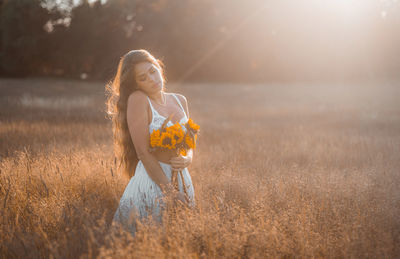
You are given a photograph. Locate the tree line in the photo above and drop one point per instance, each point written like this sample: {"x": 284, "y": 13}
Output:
{"x": 229, "y": 40}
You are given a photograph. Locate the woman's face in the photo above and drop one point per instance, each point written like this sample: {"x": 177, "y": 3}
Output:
{"x": 148, "y": 77}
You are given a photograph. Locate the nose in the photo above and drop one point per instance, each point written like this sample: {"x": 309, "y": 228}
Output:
{"x": 153, "y": 78}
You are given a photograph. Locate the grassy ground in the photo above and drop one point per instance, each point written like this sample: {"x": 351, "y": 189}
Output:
{"x": 280, "y": 171}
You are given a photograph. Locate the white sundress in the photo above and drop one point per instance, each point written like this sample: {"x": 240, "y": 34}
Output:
{"x": 142, "y": 195}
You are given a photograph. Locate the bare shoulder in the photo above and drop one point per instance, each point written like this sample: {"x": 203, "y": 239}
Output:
{"x": 138, "y": 108}
{"x": 181, "y": 98}
{"x": 137, "y": 99}
{"x": 184, "y": 103}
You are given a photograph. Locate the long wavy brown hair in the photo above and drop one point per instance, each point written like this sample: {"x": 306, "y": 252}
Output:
{"x": 118, "y": 90}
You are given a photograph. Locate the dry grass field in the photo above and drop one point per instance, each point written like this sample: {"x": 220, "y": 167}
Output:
{"x": 281, "y": 170}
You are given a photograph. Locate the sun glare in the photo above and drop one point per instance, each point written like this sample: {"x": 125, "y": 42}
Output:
{"x": 350, "y": 9}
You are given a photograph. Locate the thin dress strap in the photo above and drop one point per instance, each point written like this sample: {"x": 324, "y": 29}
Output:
{"x": 180, "y": 104}
{"x": 151, "y": 106}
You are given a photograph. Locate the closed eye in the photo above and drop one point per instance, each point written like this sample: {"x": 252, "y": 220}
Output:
{"x": 143, "y": 77}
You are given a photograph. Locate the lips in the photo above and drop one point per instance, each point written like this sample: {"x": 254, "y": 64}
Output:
{"x": 156, "y": 85}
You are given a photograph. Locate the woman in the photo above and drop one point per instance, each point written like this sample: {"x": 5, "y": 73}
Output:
{"x": 138, "y": 105}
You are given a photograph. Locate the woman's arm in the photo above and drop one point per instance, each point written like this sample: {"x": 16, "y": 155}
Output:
{"x": 137, "y": 118}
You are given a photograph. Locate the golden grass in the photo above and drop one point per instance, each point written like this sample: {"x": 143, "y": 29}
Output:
{"x": 280, "y": 171}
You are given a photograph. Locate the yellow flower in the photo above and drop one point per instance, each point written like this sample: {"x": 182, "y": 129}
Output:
{"x": 179, "y": 136}
{"x": 193, "y": 125}
{"x": 174, "y": 137}
{"x": 190, "y": 142}
{"x": 176, "y": 132}
{"x": 176, "y": 126}
{"x": 183, "y": 152}
{"x": 167, "y": 140}
{"x": 155, "y": 138}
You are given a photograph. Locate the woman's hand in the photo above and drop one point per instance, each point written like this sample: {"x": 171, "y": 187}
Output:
{"x": 180, "y": 162}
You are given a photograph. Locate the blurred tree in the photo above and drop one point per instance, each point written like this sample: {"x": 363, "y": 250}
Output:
{"x": 97, "y": 36}
{"x": 230, "y": 40}
{"x": 22, "y": 36}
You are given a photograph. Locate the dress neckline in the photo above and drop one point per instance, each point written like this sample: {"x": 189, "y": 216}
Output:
{"x": 184, "y": 117}
{"x": 154, "y": 109}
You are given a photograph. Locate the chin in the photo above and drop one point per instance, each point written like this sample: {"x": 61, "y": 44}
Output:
{"x": 159, "y": 89}
{"x": 154, "y": 91}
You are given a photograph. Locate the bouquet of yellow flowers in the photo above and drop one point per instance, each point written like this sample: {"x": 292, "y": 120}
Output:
{"x": 175, "y": 138}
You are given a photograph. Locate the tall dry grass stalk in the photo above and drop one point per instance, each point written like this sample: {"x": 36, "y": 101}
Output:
{"x": 280, "y": 170}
